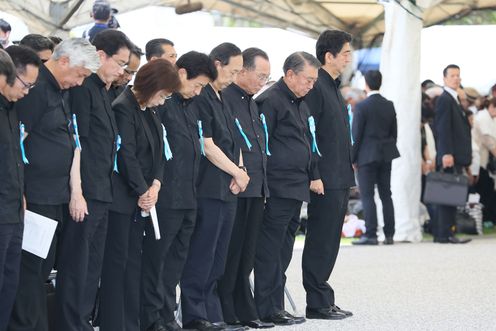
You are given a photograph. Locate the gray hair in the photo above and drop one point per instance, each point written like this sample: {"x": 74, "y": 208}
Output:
{"x": 355, "y": 94}
{"x": 296, "y": 62}
{"x": 7, "y": 67}
{"x": 80, "y": 53}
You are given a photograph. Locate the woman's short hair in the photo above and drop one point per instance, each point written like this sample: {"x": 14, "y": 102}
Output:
{"x": 155, "y": 76}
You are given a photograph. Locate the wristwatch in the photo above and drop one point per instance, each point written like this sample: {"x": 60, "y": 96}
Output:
{"x": 243, "y": 168}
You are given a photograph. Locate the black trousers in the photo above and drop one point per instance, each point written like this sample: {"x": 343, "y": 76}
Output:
{"x": 10, "y": 264}
{"x": 30, "y": 308}
{"x": 446, "y": 214}
{"x": 163, "y": 263}
{"x": 207, "y": 260}
{"x": 79, "y": 267}
{"x": 274, "y": 251}
{"x": 325, "y": 223}
{"x": 234, "y": 287}
{"x": 369, "y": 175}
{"x": 120, "y": 281}
{"x": 485, "y": 187}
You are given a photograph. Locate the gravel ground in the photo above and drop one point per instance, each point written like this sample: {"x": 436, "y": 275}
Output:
{"x": 421, "y": 286}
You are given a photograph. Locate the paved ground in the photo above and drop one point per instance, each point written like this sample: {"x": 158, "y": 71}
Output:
{"x": 421, "y": 286}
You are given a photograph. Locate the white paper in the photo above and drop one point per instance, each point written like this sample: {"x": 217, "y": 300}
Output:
{"x": 38, "y": 234}
{"x": 154, "y": 218}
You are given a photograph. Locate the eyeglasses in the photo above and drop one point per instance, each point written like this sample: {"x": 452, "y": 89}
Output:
{"x": 122, "y": 65}
{"x": 26, "y": 86}
{"x": 130, "y": 72}
{"x": 263, "y": 78}
{"x": 166, "y": 97}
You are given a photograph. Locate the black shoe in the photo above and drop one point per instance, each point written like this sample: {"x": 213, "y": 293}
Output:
{"x": 339, "y": 310}
{"x": 157, "y": 326}
{"x": 258, "y": 324}
{"x": 202, "y": 325}
{"x": 296, "y": 319}
{"x": 235, "y": 326}
{"x": 452, "y": 240}
{"x": 366, "y": 241}
{"x": 279, "y": 319}
{"x": 324, "y": 314}
{"x": 172, "y": 326}
{"x": 455, "y": 240}
{"x": 389, "y": 241}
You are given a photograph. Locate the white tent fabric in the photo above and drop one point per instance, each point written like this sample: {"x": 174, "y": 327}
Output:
{"x": 400, "y": 66}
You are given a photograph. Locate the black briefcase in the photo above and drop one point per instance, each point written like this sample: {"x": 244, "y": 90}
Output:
{"x": 446, "y": 189}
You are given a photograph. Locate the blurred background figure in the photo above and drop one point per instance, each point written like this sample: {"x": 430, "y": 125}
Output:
{"x": 5, "y": 30}
{"x": 101, "y": 14}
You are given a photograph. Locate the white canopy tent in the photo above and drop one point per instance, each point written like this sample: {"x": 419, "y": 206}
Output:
{"x": 362, "y": 18}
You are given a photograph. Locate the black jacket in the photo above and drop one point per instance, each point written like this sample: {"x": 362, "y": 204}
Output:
{"x": 245, "y": 109}
{"x": 374, "y": 131}
{"x": 139, "y": 161}
{"x": 452, "y": 131}
{"x": 333, "y": 133}
{"x": 98, "y": 133}
{"x": 288, "y": 167}
{"x": 46, "y": 113}
{"x": 218, "y": 124}
{"x": 11, "y": 166}
{"x": 180, "y": 172}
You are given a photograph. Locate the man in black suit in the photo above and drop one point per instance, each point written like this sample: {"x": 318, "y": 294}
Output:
{"x": 82, "y": 245}
{"x": 374, "y": 135}
{"x": 14, "y": 75}
{"x": 234, "y": 288}
{"x": 333, "y": 176}
{"x": 221, "y": 177}
{"x": 454, "y": 148}
{"x": 288, "y": 175}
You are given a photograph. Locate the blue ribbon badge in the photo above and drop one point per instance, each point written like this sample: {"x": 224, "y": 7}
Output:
{"x": 202, "y": 142}
{"x": 76, "y": 131}
{"x": 167, "y": 149}
{"x": 247, "y": 141}
{"x": 311, "y": 125}
{"x": 264, "y": 123}
{"x": 350, "y": 117}
{"x": 21, "y": 140}
{"x": 118, "y": 142}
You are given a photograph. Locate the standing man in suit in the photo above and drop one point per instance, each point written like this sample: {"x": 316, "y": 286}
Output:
{"x": 374, "y": 134}
{"x": 221, "y": 177}
{"x": 80, "y": 256}
{"x": 235, "y": 293}
{"x": 454, "y": 147}
{"x": 12, "y": 203}
{"x": 50, "y": 150}
{"x": 288, "y": 175}
{"x": 332, "y": 176}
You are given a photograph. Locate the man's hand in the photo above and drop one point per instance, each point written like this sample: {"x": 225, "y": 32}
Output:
{"x": 242, "y": 179}
{"x": 355, "y": 166}
{"x": 317, "y": 186}
{"x": 448, "y": 161}
{"x": 472, "y": 180}
{"x": 78, "y": 207}
{"x": 234, "y": 187}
